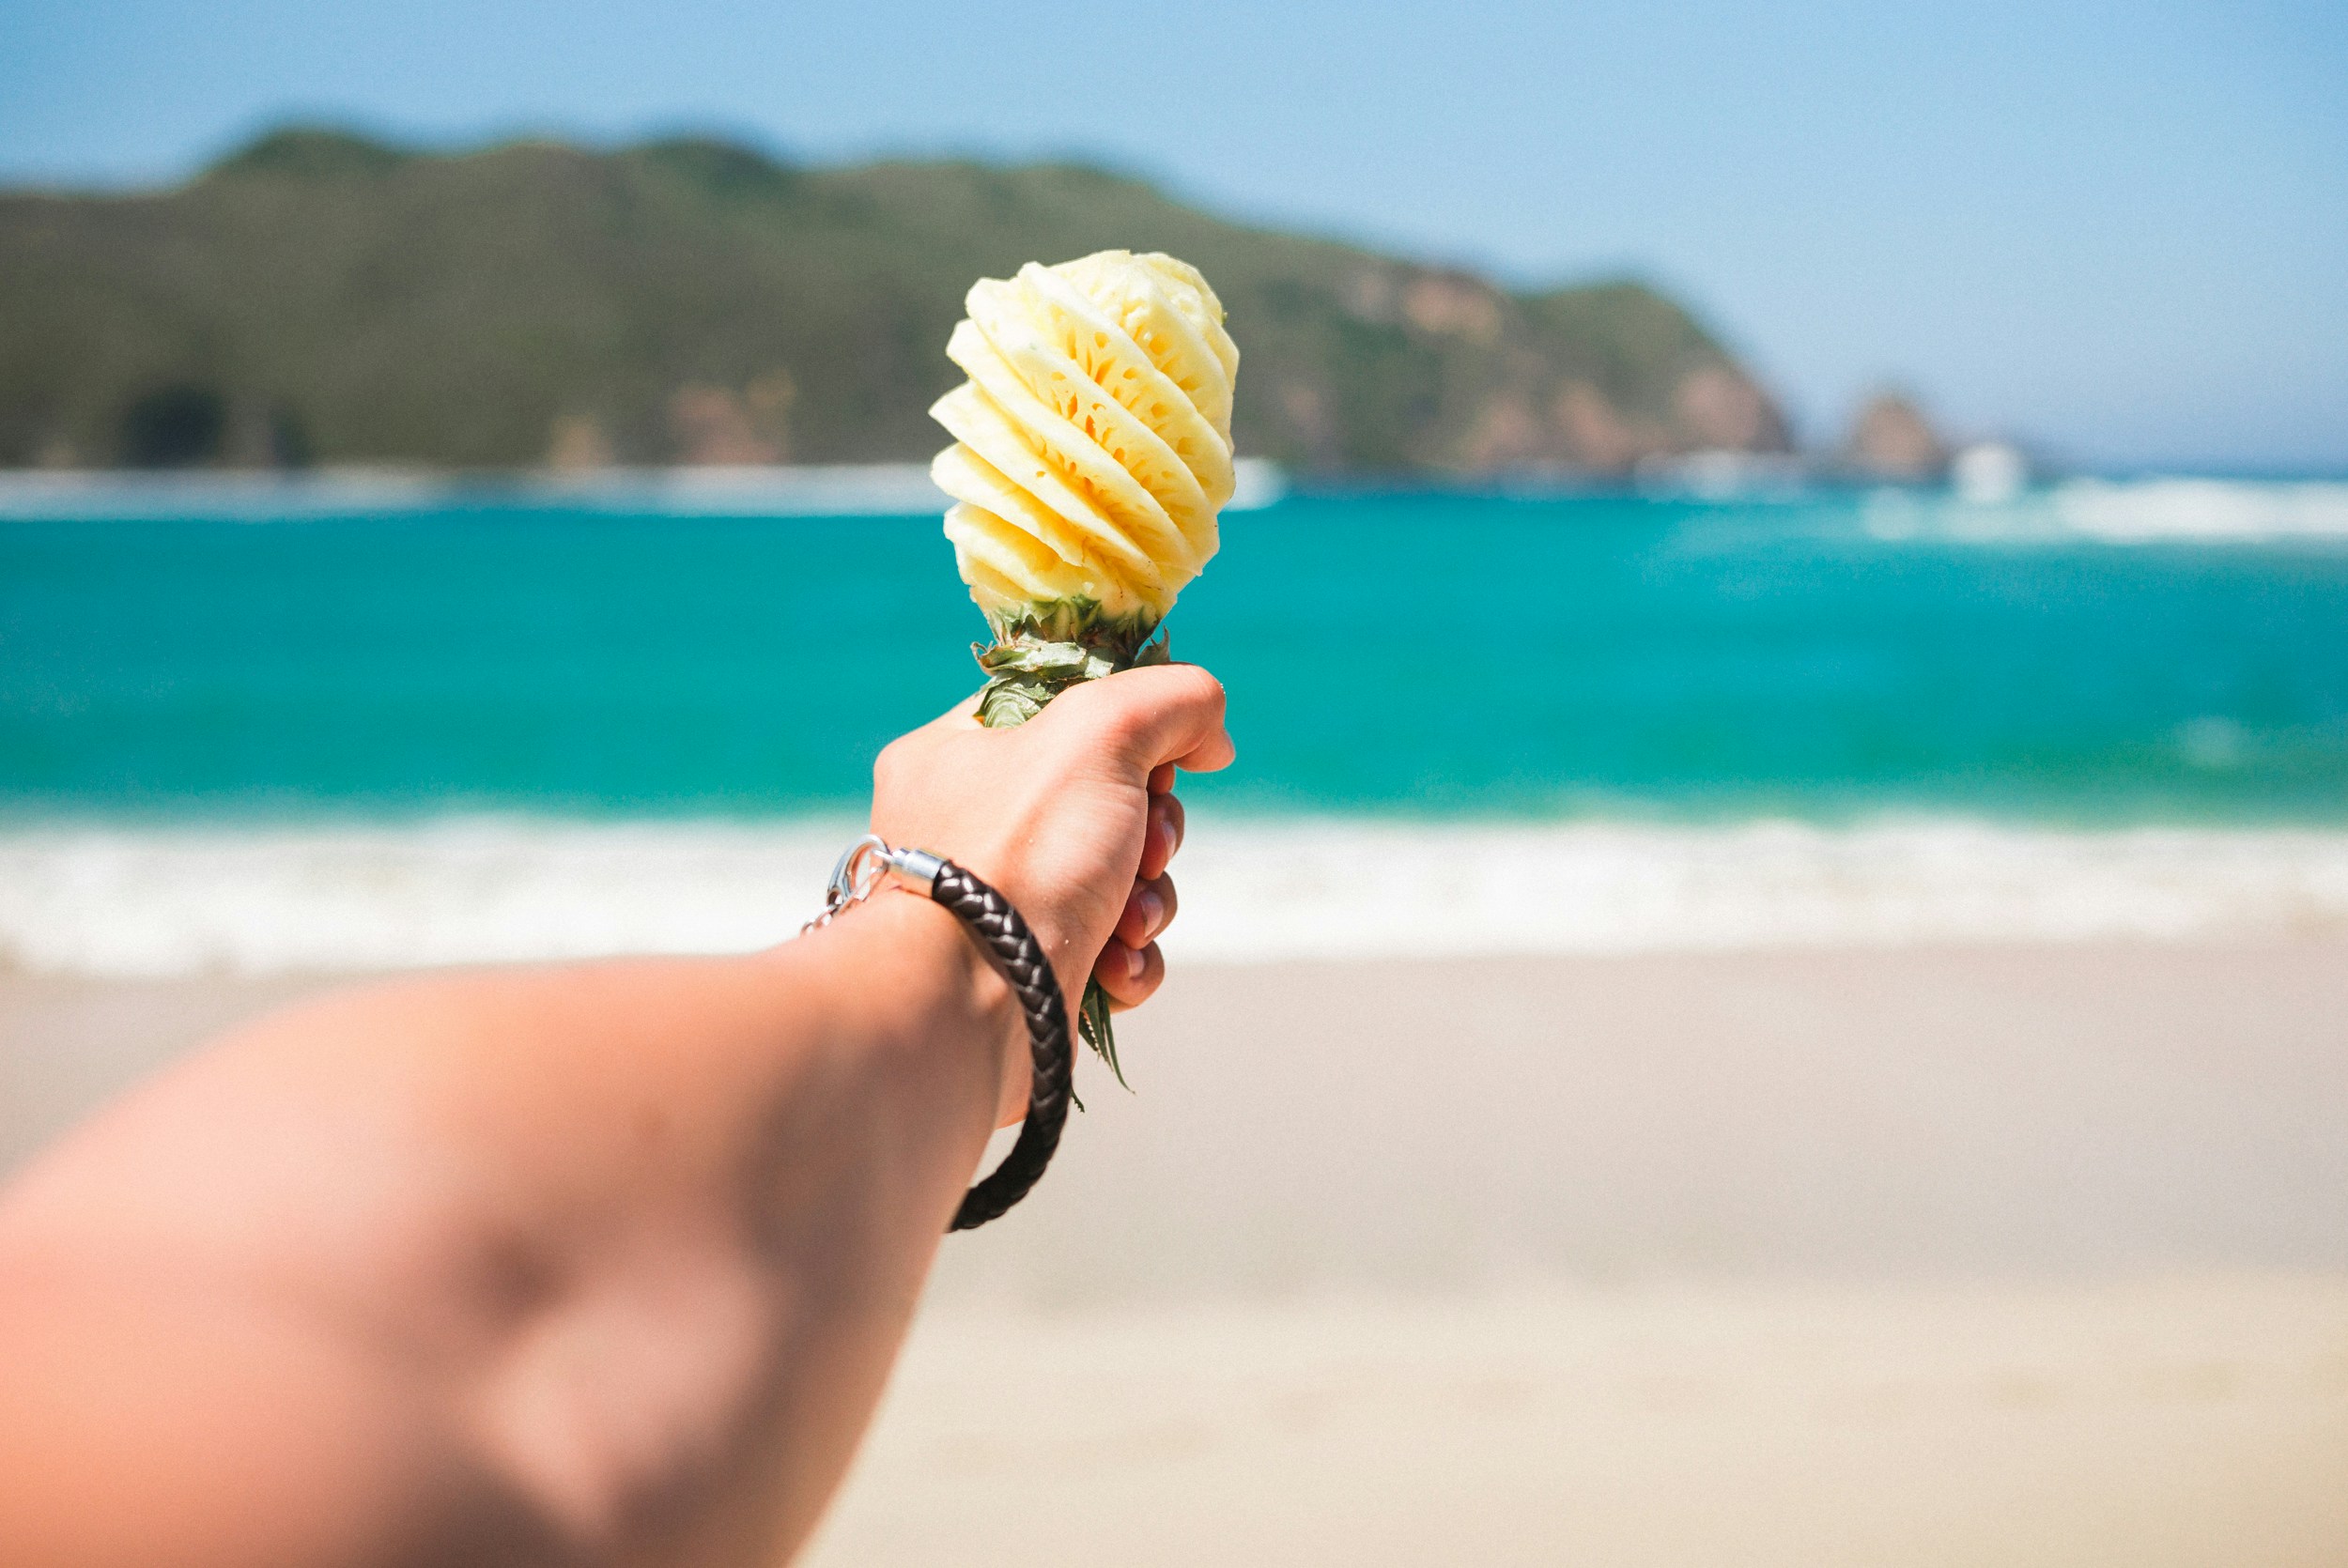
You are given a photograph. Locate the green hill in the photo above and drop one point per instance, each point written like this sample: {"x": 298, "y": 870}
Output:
{"x": 321, "y": 298}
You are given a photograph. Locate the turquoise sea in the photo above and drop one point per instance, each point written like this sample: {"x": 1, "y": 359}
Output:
{"x": 2098, "y": 654}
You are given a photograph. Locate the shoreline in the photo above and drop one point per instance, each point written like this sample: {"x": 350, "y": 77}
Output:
{"x": 902, "y": 489}
{"x": 189, "y": 898}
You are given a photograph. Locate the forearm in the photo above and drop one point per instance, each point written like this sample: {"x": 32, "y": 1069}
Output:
{"x": 644, "y": 1235}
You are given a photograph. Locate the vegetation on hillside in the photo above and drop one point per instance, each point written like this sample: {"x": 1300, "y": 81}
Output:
{"x": 321, "y": 298}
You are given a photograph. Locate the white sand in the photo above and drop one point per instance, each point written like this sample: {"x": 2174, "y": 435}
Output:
{"x": 1935, "y": 1256}
{"x": 2197, "y": 1421}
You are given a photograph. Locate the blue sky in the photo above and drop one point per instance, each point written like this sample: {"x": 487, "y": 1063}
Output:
{"x": 2118, "y": 230}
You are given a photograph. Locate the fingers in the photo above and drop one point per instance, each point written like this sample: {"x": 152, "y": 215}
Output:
{"x": 1149, "y": 910}
{"x": 1131, "y": 966}
{"x": 1129, "y": 975}
{"x": 1164, "y": 713}
{"x": 1162, "y": 834}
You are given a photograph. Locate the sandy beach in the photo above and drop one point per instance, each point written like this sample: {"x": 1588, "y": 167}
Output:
{"x": 1933, "y": 1255}
{"x": 2185, "y": 1420}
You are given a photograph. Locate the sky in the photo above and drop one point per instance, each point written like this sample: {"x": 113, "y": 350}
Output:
{"x": 2118, "y": 232}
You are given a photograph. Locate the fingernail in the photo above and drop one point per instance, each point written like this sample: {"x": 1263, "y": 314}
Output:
{"x": 1134, "y": 964}
{"x": 1153, "y": 905}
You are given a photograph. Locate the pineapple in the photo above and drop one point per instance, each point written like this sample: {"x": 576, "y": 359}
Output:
{"x": 1092, "y": 452}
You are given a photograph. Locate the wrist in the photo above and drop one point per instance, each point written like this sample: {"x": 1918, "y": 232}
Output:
{"x": 944, "y": 974}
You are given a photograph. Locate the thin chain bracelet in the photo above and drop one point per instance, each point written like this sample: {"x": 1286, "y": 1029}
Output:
{"x": 1012, "y": 947}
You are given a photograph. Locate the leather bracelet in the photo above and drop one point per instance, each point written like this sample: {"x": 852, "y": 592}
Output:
{"x": 1013, "y": 950}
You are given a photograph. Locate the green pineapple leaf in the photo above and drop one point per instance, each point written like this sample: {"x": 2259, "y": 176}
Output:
{"x": 1092, "y": 1022}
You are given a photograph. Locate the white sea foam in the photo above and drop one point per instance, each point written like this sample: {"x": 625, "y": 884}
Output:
{"x": 187, "y": 900}
{"x": 2137, "y": 512}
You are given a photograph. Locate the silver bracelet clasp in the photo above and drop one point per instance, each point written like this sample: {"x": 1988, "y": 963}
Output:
{"x": 861, "y": 867}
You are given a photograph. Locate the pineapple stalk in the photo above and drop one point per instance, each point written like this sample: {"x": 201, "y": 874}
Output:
{"x": 1035, "y": 656}
{"x": 1048, "y": 648}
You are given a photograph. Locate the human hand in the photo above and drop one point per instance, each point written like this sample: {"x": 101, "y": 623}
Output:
{"x": 1070, "y": 815}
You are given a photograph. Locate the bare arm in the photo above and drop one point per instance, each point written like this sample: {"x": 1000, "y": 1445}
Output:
{"x": 597, "y": 1263}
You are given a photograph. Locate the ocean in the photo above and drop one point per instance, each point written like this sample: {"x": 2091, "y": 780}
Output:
{"x": 247, "y": 727}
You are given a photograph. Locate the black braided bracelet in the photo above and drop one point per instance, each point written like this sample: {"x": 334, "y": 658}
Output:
{"x": 1014, "y": 951}
{"x": 1012, "y": 947}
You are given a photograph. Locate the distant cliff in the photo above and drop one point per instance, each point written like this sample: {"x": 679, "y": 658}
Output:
{"x": 1891, "y": 439}
{"x": 320, "y": 298}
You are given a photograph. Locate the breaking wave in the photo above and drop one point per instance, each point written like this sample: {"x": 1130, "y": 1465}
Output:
{"x": 110, "y": 900}
{"x": 2138, "y": 511}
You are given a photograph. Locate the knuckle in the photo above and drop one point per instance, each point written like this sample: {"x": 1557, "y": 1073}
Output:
{"x": 894, "y": 762}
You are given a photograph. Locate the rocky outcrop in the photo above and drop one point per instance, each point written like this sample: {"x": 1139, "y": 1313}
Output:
{"x": 1890, "y": 439}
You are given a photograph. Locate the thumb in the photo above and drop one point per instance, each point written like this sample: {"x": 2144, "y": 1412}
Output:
{"x": 1159, "y": 714}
